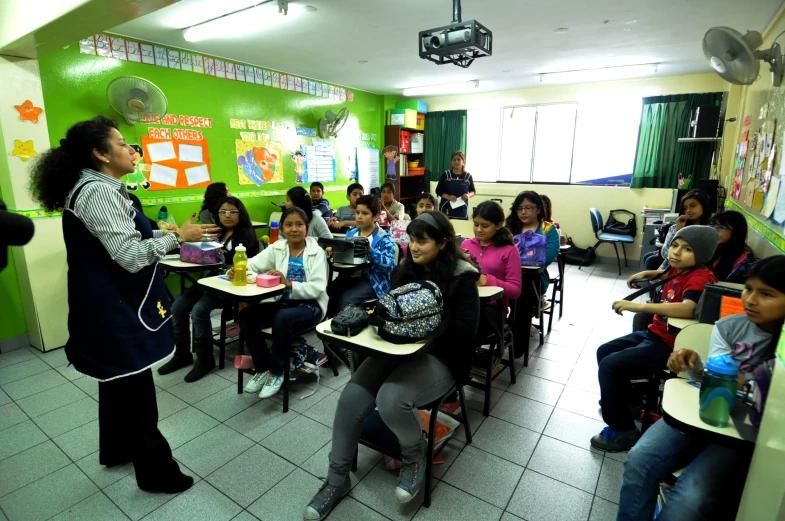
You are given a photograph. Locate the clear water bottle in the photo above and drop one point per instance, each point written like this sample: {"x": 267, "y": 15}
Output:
{"x": 718, "y": 390}
{"x": 240, "y": 266}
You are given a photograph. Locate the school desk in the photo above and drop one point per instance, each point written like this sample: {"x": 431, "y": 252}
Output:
{"x": 677, "y": 324}
{"x": 183, "y": 269}
{"x": 258, "y": 224}
{"x": 369, "y": 342}
{"x": 490, "y": 294}
{"x": 680, "y": 411}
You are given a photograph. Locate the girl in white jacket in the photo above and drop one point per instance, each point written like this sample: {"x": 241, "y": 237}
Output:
{"x": 302, "y": 265}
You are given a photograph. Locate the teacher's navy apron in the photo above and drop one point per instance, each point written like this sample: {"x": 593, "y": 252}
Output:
{"x": 458, "y": 187}
{"x": 119, "y": 323}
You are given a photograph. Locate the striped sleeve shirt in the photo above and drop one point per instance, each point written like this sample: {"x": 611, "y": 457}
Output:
{"x": 107, "y": 212}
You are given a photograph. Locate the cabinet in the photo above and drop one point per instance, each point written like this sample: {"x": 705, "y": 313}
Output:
{"x": 410, "y": 182}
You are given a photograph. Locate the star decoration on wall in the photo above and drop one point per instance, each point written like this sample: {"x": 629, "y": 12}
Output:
{"x": 28, "y": 112}
{"x": 24, "y": 150}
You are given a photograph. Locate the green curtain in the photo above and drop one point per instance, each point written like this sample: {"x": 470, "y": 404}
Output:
{"x": 660, "y": 158}
{"x": 445, "y": 132}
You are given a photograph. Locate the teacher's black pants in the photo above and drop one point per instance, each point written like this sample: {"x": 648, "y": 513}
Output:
{"x": 128, "y": 428}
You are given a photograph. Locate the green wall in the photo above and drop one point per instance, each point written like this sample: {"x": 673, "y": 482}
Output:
{"x": 74, "y": 87}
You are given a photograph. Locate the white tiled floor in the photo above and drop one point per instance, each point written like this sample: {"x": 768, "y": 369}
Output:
{"x": 529, "y": 460}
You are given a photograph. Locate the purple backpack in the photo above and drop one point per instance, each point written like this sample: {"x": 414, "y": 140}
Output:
{"x": 531, "y": 248}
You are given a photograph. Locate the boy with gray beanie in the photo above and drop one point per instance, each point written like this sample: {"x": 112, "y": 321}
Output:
{"x": 642, "y": 352}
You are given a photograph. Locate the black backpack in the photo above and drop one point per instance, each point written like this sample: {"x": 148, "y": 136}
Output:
{"x": 576, "y": 256}
{"x": 349, "y": 321}
{"x": 410, "y": 313}
{"x": 613, "y": 225}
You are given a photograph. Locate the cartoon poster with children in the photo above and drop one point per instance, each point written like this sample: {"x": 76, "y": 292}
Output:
{"x": 259, "y": 162}
{"x": 391, "y": 159}
{"x": 300, "y": 165}
{"x": 138, "y": 179}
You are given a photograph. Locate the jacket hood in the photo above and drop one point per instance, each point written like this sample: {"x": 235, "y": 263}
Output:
{"x": 465, "y": 268}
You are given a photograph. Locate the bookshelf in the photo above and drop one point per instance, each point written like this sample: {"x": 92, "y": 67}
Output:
{"x": 412, "y": 181}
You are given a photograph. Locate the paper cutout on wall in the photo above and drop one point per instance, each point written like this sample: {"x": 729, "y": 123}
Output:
{"x": 757, "y": 199}
{"x": 350, "y": 95}
{"x": 259, "y": 162}
{"x": 771, "y": 197}
{"x": 28, "y": 112}
{"x": 320, "y": 161}
{"x": 24, "y": 150}
{"x": 769, "y": 169}
{"x": 779, "y": 207}
{"x": 309, "y": 132}
{"x": 391, "y": 157}
{"x": 168, "y": 170}
{"x": 139, "y": 177}
{"x": 300, "y": 169}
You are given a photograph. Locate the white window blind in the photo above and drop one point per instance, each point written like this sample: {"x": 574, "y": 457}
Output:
{"x": 482, "y": 143}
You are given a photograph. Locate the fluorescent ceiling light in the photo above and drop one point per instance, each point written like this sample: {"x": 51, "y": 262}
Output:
{"x": 605, "y": 74}
{"x": 449, "y": 88}
{"x": 251, "y": 20}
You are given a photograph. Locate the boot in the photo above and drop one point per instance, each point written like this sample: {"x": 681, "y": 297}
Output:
{"x": 182, "y": 357}
{"x": 205, "y": 360}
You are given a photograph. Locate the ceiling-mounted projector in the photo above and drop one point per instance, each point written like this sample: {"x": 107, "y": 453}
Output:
{"x": 459, "y": 43}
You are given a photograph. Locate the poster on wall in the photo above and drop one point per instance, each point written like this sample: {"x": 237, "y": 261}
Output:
{"x": 259, "y": 162}
{"x": 368, "y": 167}
{"x": 320, "y": 161}
{"x": 300, "y": 165}
{"x": 174, "y": 163}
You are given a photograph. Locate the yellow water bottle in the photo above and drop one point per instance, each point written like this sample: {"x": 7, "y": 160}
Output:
{"x": 240, "y": 266}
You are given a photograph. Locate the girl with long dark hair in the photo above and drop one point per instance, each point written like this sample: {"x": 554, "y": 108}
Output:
{"x": 399, "y": 389}
{"x": 733, "y": 258}
{"x": 119, "y": 319}
{"x": 214, "y": 193}
{"x": 317, "y": 226}
{"x": 695, "y": 209}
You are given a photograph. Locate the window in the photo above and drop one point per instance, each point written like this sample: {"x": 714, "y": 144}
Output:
{"x": 592, "y": 142}
{"x": 482, "y": 144}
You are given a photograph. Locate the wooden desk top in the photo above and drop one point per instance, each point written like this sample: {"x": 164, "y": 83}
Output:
{"x": 680, "y": 403}
{"x": 176, "y": 265}
{"x": 247, "y": 292}
{"x": 490, "y": 293}
{"x": 258, "y": 224}
{"x": 680, "y": 323}
{"x": 370, "y": 342}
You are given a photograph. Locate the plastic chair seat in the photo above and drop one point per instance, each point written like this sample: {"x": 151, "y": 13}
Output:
{"x": 615, "y": 237}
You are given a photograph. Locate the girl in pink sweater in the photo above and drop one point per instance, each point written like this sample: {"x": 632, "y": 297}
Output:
{"x": 497, "y": 256}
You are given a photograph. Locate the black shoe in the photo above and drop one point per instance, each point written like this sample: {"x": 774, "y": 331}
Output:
{"x": 175, "y": 485}
{"x": 610, "y": 440}
{"x": 178, "y": 361}
{"x": 203, "y": 365}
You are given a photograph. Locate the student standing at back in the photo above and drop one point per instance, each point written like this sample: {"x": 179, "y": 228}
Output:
{"x": 624, "y": 358}
{"x": 345, "y": 216}
{"x": 454, "y": 185}
{"x": 398, "y": 389}
{"x": 214, "y": 193}
{"x": 499, "y": 260}
{"x": 197, "y": 305}
{"x": 348, "y": 289}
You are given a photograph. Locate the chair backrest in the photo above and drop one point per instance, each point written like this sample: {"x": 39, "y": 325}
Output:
{"x": 696, "y": 337}
{"x": 596, "y": 221}
{"x": 397, "y": 253}
{"x": 275, "y": 217}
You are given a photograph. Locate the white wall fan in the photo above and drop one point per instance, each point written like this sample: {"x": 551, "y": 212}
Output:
{"x": 332, "y": 123}
{"x": 137, "y": 99}
{"x": 735, "y": 56}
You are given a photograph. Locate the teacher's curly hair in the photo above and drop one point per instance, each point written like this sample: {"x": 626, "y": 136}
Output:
{"x": 56, "y": 172}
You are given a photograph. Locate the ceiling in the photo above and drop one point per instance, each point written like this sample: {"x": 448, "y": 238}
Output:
{"x": 328, "y": 44}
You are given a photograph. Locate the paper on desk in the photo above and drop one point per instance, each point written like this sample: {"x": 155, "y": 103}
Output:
{"x": 190, "y": 153}
{"x": 197, "y": 174}
{"x": 163, "y": 174}
{"x": 457, "y": 204}
{"x": 207, "y": 246}
{"x": 161, "y": 151}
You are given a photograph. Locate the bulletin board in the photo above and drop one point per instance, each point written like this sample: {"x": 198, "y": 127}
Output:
{"x": 175, "y": 163}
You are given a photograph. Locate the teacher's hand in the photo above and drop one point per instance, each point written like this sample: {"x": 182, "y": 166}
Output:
{"x": 465, "y": 197}
{"x": 194, "y": 232}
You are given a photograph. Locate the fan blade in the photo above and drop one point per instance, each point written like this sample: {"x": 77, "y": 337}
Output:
{"x": 330, "y": 116}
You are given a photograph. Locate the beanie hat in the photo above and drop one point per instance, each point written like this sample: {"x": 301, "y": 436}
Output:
{"x": 702, "y": 239}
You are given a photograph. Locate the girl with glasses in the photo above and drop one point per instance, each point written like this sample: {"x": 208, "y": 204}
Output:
{"x": 733, "y": 258}
{"x": 236, "y": 229}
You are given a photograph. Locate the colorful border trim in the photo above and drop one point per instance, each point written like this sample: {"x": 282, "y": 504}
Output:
{"x": 38, "y": 213}
{"x": 774, "y": 237}
{"x": 781, "y": 348}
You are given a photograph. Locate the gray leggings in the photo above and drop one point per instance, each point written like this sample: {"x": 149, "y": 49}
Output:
{"x": 397, "y": 390}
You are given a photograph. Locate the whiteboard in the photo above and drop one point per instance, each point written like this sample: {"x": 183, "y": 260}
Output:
{"x": 368, "y": 168}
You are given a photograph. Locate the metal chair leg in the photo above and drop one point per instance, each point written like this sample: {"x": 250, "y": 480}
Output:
{"x": 624, "y": 250}
{"x": 222, "y": 343}
{"x": 486, "y": 409}
{"x": 286, "y": 387}
{"x": 618, "y": 259}
{"x": 426, "y": 502}
{"x": 465, "y": 416}
{"x": 241, "y": 349}
{"x": 511, "y": 357}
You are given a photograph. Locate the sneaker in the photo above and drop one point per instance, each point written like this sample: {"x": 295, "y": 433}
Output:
{"x": 271, "y": 386}
{"x": 610, "y": 440}
{"x": 410, "y": 479}
{"x": 257, "y": 382}
{"x": 324, "y": 501}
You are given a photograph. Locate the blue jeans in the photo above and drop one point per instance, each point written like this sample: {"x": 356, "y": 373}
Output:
{"x": 286, "y": 318}
{"x": 198, "y": 305}
{"x": 652, "y": 260}
{"x": 709, "y": 488}
{"x": 620, "y": 360}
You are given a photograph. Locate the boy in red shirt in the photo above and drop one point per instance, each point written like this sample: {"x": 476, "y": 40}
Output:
{"x": 645, "y": 351}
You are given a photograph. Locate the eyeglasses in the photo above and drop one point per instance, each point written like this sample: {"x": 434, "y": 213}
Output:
{"x": 527, "y": 209}
{"x": 228, "y": 212}
{"x": 720, "y": 227}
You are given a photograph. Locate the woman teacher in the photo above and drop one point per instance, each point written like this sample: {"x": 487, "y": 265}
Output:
{"x": 455, "y": 185}
{"x": 119, "y": 318}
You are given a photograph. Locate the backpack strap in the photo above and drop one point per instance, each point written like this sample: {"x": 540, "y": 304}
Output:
{"x": 650, "y": 287}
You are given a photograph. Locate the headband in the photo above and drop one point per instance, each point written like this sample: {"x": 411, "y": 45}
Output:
{"x": 430, "y": 220}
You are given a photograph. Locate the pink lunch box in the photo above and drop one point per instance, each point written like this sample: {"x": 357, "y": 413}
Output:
{"x": 267, "y": 281}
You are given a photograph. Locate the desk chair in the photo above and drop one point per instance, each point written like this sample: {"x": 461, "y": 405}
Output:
{"x": 377, "y": 436}
{"x": 609, "y": 238}
{"x": 505, "y": 342}
{"x": 558, "y": 287}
